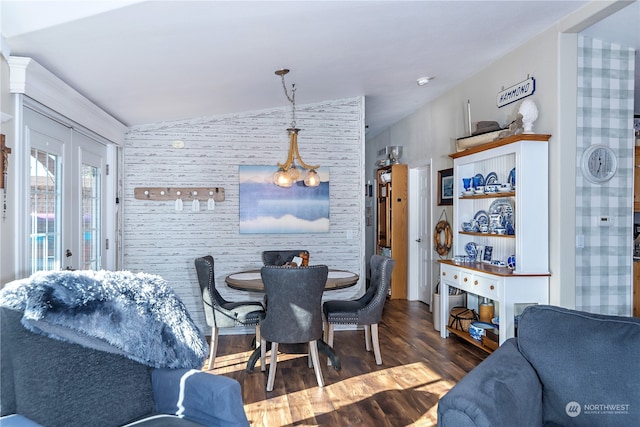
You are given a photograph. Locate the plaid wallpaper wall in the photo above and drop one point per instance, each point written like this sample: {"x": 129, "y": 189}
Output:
{"x": 605, "y": 116}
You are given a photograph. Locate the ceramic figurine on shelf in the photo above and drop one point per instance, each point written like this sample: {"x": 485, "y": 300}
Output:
{"x": 529, "y": 113}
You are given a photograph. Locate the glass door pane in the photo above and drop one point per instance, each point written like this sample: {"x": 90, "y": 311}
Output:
{"x": 45, "y": 193}
{"x": 91, "y": 221}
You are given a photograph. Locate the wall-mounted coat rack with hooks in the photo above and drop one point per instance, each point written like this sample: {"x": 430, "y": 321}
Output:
{"x": 184, "y": 193}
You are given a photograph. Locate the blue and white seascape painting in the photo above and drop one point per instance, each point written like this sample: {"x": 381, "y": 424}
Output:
{"x": 267, "y": 208}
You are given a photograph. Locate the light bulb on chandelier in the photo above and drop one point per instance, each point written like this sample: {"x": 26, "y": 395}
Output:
{"x": 293, "y": 172}
{"x": 288, "y": 173}
{"x": 312, "y": 179}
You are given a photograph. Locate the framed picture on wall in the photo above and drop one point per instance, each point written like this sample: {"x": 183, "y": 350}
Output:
{"x": 266, "y": 208}
{"x": 445, "y": 187}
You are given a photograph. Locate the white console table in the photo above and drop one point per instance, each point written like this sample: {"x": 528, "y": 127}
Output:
{"x": 504, "y": 288}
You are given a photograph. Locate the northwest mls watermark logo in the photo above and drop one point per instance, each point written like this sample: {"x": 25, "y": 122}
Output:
{"x": 573, "y": 409}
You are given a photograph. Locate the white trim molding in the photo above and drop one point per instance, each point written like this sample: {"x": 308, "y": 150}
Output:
{"x": 28, "y": 77}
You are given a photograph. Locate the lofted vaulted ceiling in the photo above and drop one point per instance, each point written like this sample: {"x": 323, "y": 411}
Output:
{"x": 153, "y": 61}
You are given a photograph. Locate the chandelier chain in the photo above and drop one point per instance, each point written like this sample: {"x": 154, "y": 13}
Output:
{"x": 292, "y": 100}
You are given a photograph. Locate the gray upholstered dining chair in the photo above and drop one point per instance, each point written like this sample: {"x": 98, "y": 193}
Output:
{"x": 281, "y": 257}
{"x": 221, "y": 313}
{"x": 367, "y": 310}
{"x": 294, "y": 312}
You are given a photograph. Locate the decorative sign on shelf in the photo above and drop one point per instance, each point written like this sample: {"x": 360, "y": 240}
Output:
{"x": 516, "y": 92}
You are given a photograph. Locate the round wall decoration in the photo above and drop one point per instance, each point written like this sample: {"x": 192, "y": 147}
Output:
{"x": 442, "y": 238}
{"x": 599, "y": 163}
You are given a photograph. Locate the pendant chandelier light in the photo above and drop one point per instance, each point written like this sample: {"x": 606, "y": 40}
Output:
{"x": 288, "y": 172}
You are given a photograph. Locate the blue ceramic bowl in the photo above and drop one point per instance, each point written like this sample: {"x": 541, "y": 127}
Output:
{"x": 467, "y": 226}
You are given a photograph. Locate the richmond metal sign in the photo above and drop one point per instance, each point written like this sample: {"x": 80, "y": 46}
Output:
{"x": 516, "y": 92}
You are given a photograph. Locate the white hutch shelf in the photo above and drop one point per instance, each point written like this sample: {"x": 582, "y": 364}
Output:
{"x": 528, "y": 283}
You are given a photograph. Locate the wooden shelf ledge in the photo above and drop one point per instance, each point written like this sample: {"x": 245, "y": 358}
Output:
{"x": 466, "y": 337}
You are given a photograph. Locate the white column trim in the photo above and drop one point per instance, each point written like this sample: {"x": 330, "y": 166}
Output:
{"x": 28, "y": 77}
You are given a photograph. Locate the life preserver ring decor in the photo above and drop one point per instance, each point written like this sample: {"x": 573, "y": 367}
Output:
{"x": 443, "y": 238}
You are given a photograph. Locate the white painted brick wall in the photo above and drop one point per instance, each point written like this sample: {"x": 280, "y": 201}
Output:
{"x": 159, "y": 240}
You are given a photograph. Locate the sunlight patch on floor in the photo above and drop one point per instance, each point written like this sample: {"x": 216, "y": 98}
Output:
{"x": 270, "y": 412}
{"x": 229, "y": 363}
{"x": 415, "y": 378}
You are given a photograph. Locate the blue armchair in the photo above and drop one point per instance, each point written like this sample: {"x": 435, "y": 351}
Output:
{"x": 565, "y": 368}
{"x": 48, "y": 379}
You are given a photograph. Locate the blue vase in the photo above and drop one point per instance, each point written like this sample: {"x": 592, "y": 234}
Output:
{"x": 466, "y": 183}
{"x": 510, "y": 230}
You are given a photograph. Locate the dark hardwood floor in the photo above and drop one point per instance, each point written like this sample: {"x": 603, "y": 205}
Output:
{"x": 418, "y": 368}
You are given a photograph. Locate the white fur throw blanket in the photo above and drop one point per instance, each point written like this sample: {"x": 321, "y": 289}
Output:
{"x": 134, "y": 314}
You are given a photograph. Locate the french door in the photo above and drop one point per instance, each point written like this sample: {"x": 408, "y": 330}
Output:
{"x": 66, "y": 196}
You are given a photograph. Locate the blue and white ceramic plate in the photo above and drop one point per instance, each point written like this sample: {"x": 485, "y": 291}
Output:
{"x": 501, "y": 206}
{"x": 491, "y": 178}
{"x": 482, "y": 218}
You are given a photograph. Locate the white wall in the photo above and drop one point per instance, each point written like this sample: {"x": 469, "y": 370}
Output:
{"x": 431, "y": 131}
{"x": 159, "y": 240}
{"x": 551, "y": 59}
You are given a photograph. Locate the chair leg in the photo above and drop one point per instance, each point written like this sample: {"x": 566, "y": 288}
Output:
{"x": 272, "y": 367}
{"x": 255, "y": 342}
{"x": 313, "y": 349}
{"x": 376, "y": 343}
{"x": 213, "y": 347}
{"x": 329, "y": 331}
{"x": 263, "y": 354}
{"x": 367, "y": 337}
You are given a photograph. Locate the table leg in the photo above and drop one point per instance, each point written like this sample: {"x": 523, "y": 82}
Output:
{"x": 251, "y": 363}
{"x": 326, "y": 349}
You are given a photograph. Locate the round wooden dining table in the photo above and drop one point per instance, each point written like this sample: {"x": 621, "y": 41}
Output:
{"x": 251, "y": 281}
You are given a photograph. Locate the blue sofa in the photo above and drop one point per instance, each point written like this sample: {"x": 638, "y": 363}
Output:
{"x": 50, "y": 378}
{"x": 565, "y": 368}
